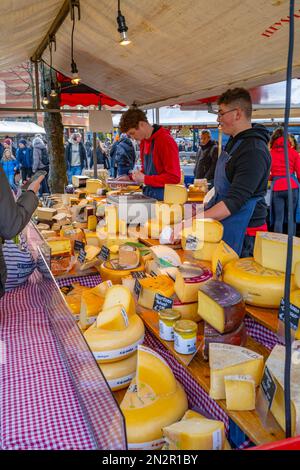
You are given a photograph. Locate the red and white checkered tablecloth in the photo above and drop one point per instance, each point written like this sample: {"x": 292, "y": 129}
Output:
{"x": 261, "y": 334}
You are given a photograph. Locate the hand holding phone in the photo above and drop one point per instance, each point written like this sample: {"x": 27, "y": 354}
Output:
{"x": 34, "y": 182}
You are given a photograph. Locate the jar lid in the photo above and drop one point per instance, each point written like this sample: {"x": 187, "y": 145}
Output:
{"x": 185, "y": 326}
{"x": 169, "y": 314}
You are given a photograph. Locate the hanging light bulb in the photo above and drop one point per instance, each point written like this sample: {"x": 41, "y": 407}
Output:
{"x": 122, "y": 28}
{"x": 53, "y": 92}
{"x": 45, "y": 99}
{"x": 75, "y": 77}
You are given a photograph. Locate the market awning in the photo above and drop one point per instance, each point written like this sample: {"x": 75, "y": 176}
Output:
{"x": 181, "y": 50}
{"x": 20, "y": 127}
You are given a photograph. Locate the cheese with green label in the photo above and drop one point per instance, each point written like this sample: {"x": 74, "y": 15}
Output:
{"x": 270, "y": 250}
{"x": 240, "y": 392}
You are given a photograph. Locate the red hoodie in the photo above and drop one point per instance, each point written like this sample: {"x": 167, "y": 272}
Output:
{"x": 165, "y": 159}
{"x": 278, "y": 165}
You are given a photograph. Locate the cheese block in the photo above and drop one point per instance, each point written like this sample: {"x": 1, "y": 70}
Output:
{"x": 120, "y": 374}
{"x": 155, "y": 269}
{"x": 175, "y": 194}
{"x": 120, "y": 295}
{"x": 151, "y": 286}
{"x": 112, "y": 219}
{"x": 226, "y": 359}
{"x": 60, "y": 218}
{"x": 259, "y": 286}
{"x": 154, "y": 372}
{"x": 222, "y": 255}
{"x": 79, "y": 181}
{"x": 188, "y": 280}
{"x": 92, "y": 303}
{"x": 188, "y": 310}
{"x": 195, "y": 434}
{"x": 270, "y": 250}
{"x": 92, "y": 222}
{"x": 92, "y": 238}
{"x": 43, "y": 227}
{"x": 145, "y": 418}
{"x": 59, "y": 246}
{"x": 73, "y": 295}
{"x": 91, "y": 252}
{"x": 276, "y": 364}
{"x": 237, "y": 337}
{"x": 165, "y": 256}
{"x": 206, "y": 252}
{"x": 113, "y": 318}
{"x": 129, "y": 281}
{"x": 92, "y": 186}
{"x": 240, "y": 392}
{"x": 108, "y": 271}
{"x": 129, "y": 256}
{"x": 45, "y": 213}
{"x": 113, "y": 345}
{"x": 72, "y": 233}
{"x": 208, "y": 230}
{"x": 48, "y": 233}
{"x": 220, "y": 305}
{"x": 168, "y": 214}
{"x": 295, "y": 300}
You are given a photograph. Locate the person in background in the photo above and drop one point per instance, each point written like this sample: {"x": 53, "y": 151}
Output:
{"x": 102, "y": 158}
{"x": 9, "y": 163}
{"x": 25, "y": 159}
{"x": 75, "y": 156}
{"x": 294, "y": 143}
{"x": 89, "y": 151}
{"x": 40, "y": 161}
{"x": 125, "y": 156}
{"x": 112, "y": 156}
{"x": 279, "y": 185}
{"x": 206, "y": 158}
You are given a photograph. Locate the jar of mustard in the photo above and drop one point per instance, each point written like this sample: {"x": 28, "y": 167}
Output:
{"x": 167, "y": 319}
{"x": 185, "y": 336}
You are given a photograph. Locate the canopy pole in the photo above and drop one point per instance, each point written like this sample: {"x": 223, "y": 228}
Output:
{"x": 156, "y": 115}
{"x": 95, "y": 154}
{"x": 37, "y": 85}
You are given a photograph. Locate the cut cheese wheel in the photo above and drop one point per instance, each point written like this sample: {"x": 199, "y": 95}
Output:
{"x": 276, "y": 365}
{"x": 175, "y": 194}
{"x": 153, "y": 371}
{"x": 151, "y": 286}
{"x": 195, "y": 434}
{"x": 115, "y": 275}
{"x": 92, "y": 186}
{"x": 120, "y": 295}
{"x": 168, "y": 214}
{"x": 236, "y": 337}
{"x": 226, "y": 359}
{"x": 120, "y": 374}
{"x": 240, "y": 392}
{"x": 45, "y": 213}
{"x": 154, "y": 268}
{"x": 145, "y": 418}
{"x": 220, "y": 305}
{"x": 165, "y": 256}
{"x": 208, "y": 230}
{"x": 188, "y": 280}
{"x": 190, "y": 241}
{"x": 72, "y": 295}
{"x": 59, "y": 246}
{"x": 188, "y": 311}
{"x": 113, "y": 318}
{"x": 259, "y": 286}
{"x": 91, "y": 252}
{"x": 129, "y": 256}
{"x": 113, "y": 345}
{"x": 206, "y": 252}
{"x": 270, "y": 250}
{"x": 222, "y": 255}
{"x": 295, "y": 300}
{"x": 91, "y": 304}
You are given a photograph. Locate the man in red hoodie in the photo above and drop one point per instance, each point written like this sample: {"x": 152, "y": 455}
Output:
{"x": 158, "y": 151}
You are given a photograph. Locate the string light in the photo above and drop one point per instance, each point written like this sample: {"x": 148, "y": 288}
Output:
{"x": 122, "y": 28}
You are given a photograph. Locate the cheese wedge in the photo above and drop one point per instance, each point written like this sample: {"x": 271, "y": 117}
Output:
{"x": 92, "y": 186}
{"x": 91, "y": 304}
{"x": 92, "y": 239}
{"x": 165, "y": 256}
{"x": 175, "y": 194}
{"x": 222, "y": 255}
{"x": 188, "y": 280}
{"x": 191, "y": 414}
{"x": 120, "y": 295}
{"x": 91, "y": 252}
{"x": 113, "y": 318}
{"x": 270, "y": 250}
{"x": 129, "y": 256}
{"x": 240, "y": 392}
{"x": 151, "y": 286}
{"x": 220, "y": 305}
{"x": 112, "y": 219}
{"x": 153, "y": 267}
{"x": 237, "y": 337}
{"x": 59, "y": 246}
{"x": 225, "y": 359}
{"x": 208, "y": 230}
{"x": 153, "y": 371}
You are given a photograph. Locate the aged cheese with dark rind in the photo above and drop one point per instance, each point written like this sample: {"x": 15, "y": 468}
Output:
{"x": 237, "y": 337}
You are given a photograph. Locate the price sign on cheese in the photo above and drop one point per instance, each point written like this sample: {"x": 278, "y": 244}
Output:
{"x": 268, "y": 386}
{"x": 81, "y": 256}
{"x": 104, "y": 253}
{"x": 161, "y": 302}
{"x": 138, "y": 274}
{"x": 219, "y": 269}
{"x": 192, "y": 243}
{"x": 294, "y": 314}
{"x": 137, "y": 288}
{"x": 78, "y": 245}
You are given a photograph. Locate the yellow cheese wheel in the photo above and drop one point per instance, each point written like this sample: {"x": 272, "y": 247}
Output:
{"x": 120, "y": 374}
{"x": 295, "y": 300}
{"x": 188, "y": 311}
{"x": 108, "y": 272}
{"x": 259, "y": 286}
{"x": 111, "y": 346}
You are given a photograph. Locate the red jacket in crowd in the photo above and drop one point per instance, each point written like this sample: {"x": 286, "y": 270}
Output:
{"x": 278, "y": 165}
{"x": 165, "y": 158}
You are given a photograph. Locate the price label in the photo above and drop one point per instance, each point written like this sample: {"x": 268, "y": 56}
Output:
{"x": 81, "y": 256}
{"x": 138, "y": 274}
{"x": 161, "y": 302}
{"x": 78, "y": 245}
{"x": 191, "y": 243}
{"x": 294, "y": 314}
{"x": 219, "y": 269}
{"x": 137, "y": 288}
{"x": 104, "y": 253}
{"x": 268, "y": 386}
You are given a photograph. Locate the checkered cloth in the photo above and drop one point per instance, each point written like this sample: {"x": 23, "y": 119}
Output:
{"x": 87, "y": 281}
{"x": 261, "y": 334}
{"x": 52, "y": 394}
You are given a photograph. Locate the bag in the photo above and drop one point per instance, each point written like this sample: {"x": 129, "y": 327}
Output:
{"x": 19, "y": 261}
{"x": 45, "y": 157}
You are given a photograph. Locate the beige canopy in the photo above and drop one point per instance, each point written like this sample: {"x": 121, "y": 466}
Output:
{"x": 181, "y": 50}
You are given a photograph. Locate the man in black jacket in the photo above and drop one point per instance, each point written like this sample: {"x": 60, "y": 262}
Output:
{"x": 124, "y": 156}
{"x": 206, "y": 158}
{"x": 75, "y": 156}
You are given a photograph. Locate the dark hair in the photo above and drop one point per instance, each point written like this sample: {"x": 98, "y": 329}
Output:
{"x": 131, "y": 118}
{"x": 276, "y": 134}
{"x": 240, "y": 97}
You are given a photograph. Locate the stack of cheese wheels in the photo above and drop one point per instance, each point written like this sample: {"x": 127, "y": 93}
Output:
{"x": 195, "y": 432}
{"x": 154, "y": 400}
{"x": 276, "y": 364}
{"x": 223, "y": 309}
{"x": 115, "y": 336}
{"x": 202, "y": 238}
{"x": 92, "y": 301}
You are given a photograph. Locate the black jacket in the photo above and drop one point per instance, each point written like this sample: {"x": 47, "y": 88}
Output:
{"x": 206, "y": 161}
{"x": 125, "y": 154}
{"x": 82, "y": 153}
{"x": 248, "y": 171}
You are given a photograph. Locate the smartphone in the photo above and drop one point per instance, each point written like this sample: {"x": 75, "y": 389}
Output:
{"x": 33, "y": 178}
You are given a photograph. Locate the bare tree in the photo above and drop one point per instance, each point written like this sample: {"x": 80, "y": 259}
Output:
{"x": 25, "y": 85}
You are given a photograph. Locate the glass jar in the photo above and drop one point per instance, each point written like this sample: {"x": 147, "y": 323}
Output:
{"x": 185, "y": 336}
{"x": 167, "y": 319}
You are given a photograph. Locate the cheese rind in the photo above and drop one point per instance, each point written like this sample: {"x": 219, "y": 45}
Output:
{"x": 120, "y": 374}
{"x": 113, "y": 318}
{"x": 188, "y": 280}
{"x": 270, "y": 250}
{"x": 175, "y": 194}
{"x": 108, "y": 272}
{"x": 188, "y": 311}
{"x": 208, "y": 230}
{"x": 240, "y": 392}
{"x": 236, "y": 337}
{"x": 223, "y": 254}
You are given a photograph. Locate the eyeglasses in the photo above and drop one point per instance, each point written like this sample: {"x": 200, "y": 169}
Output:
{"x": 222, "y": 113}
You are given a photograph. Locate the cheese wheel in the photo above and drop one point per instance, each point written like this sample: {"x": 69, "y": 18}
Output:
{"x": 222, "y": 255}
{"x": 259, "y": 286}
{"x": 151, "y": 286}
{"x": 208, "y": 230}
{"x": 175, "y": 194}
{"x": 188, "y": 280}
{"x": 112, "y": 345}
{"x": 108, "y": 272}
{"x": 270, "y": 250}
{"x": 188, "y": 310}
{"x": 206, "y": 252}
{"x": 120, "y": 374}
{"x": 236, "y": 337}
{"x": 91, "y": 304}
{"x": 119, "y": 295}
